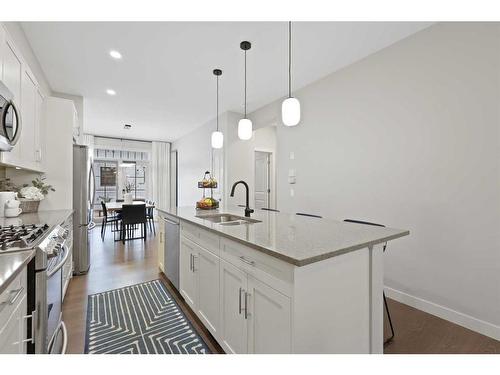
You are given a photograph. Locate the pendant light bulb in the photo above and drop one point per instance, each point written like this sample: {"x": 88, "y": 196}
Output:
{"x": 245, "y": 125}
{"x": 217, "y": 136}
{"x": 217, "y": 139}
{"x": 290, "y": 109}
{"x": 245, "y": 129}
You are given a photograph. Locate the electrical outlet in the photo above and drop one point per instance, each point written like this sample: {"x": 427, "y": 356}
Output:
{"x": 292, "y": 192}
{"x": 292, "y": 155}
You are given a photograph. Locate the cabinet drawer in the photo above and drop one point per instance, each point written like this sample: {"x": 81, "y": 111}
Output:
{"x": 206, "y": 239}
{"x": 10, "y": 297}
{"x": 272, "y": 271}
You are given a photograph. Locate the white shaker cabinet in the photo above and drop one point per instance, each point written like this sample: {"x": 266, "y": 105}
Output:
{"x": 12, "y": 78}
{"x": 187, "y": 286}
{"x": 233, "y": 332}
{"x": 199, "y": 283}
{"x": 13, "y": 306}
{"x": 207, "y": 271}
{"x": 269, "y": 319}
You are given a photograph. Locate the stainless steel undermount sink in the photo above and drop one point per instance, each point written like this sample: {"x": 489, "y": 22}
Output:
{"x": 227, "y": 219}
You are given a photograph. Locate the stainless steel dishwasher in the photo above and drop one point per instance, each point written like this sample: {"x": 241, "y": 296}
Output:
{"x": 172, "y": 249}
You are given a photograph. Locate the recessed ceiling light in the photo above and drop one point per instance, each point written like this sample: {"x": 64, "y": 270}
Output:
{"x": 115, "y": 54}
{"x": 111, "y": 92}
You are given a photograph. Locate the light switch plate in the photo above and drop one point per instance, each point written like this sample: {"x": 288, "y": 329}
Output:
{"x": 292, "y": 155}
{"x": 292, "y": 192}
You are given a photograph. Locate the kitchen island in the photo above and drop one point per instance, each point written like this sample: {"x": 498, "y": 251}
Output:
{"x": 281, "y": 283}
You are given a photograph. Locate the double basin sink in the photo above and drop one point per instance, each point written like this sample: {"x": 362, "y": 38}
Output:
{"x": 227, "y": 219}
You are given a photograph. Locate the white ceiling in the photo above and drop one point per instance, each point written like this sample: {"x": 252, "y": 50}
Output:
{"x": 164, "y": 83}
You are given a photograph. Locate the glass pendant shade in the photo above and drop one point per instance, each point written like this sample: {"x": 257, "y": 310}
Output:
{"x": 245, "y": 129}
{"x": 217, "y": 139}
{"x": 290, "y": 111}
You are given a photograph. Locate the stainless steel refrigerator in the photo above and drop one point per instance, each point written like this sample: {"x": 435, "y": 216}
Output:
{"x": 83, "y": 202}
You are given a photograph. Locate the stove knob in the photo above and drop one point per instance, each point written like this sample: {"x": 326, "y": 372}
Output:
{"x": 45, "y": 226}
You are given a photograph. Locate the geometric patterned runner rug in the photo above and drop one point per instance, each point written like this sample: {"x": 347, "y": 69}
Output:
{"x": 139, "y": 319}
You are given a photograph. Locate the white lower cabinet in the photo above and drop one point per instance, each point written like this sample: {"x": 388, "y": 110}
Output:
{"x": 187, "y": 275}
{"x": 244, "y": 314}
{"x": 233, "y": 333}
{"x": 13, "y": 333}
{"x": 206, "y": 268}
{"x": 269, "y": 319}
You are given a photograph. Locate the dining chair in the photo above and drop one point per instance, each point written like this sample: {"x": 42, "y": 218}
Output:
{"x": 150, "y": 216}
{"x": 309, "y": 215}
{"x": 385, "y": 299}
{"x": 133, "y": 215}
{"x": 108, "y": 219}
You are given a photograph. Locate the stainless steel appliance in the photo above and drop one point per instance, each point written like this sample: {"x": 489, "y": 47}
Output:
{"x": 47, "y": 330}
{"x": 83, "y": 201}
{"x": 10, "y": 120}
{"x": 172, "y": 249}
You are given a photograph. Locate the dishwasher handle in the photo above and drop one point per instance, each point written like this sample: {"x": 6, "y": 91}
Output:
{"x": 169, "y": 221}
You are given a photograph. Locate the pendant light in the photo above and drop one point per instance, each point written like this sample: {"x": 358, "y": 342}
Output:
{"x": 290, "y": 109}
{"x": 245, "y": 125}
{"x": 217, "y": 136}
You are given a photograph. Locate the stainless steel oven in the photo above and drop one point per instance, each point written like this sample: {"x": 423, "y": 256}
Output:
{"x": 56, "y": 330}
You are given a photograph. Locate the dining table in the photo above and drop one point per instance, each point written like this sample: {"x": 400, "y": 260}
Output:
{"x": 118, "y": 206}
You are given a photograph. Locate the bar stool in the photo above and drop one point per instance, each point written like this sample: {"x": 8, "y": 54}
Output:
{"x": 269, "y": 209}
{"x": 385, "y": 299}
{"x": 309, "y": 215}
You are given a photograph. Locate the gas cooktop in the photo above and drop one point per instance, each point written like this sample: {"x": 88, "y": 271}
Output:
{"x": 20, "y": 237}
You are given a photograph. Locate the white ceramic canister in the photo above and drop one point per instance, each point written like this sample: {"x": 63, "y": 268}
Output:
{"x": 4, "y": 197}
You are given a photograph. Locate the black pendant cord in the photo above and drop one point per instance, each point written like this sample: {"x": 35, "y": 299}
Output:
{"x": 245, "y": 84}
{"x": 289, "y": 59}
{"x": 217, "y": 105}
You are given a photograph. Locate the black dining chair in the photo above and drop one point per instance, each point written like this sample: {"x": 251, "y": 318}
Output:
{"x": 308, "y": 215}
{"x": 385, "y": 299}
{"x": 132, "y": 216}
{"x": 269, "y": 209}
{"x": 108, "y": 219}
{"x": 150, "y": 216}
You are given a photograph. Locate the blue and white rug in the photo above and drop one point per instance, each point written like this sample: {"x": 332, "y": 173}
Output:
{"x": 139, "y": 319}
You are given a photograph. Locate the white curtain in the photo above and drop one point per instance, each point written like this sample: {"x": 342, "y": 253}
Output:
{"x": 160, "y": 165}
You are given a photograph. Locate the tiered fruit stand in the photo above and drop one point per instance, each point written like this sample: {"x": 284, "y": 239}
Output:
{"x": 207, "y": 183}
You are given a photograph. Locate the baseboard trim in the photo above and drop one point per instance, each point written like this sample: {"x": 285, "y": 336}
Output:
{"x": 467, "y": 321}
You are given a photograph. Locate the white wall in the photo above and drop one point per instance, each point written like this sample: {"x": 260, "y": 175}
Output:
{"x": 410, "y": 137}
{"x": 194, "y": 156}
{"x": 240, "y": 159}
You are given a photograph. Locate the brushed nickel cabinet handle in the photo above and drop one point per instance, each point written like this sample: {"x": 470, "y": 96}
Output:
{"x": 246, "y": 305}
{"x": 12, "y": 300}
{"x": 245, "y": 260}
{"x": 239, "y": 300}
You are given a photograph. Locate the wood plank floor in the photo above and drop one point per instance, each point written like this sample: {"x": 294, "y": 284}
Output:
{"x": 114, "y": 265}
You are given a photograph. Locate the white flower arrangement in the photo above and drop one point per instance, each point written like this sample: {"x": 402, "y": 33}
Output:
{"x": 31, "y": 192}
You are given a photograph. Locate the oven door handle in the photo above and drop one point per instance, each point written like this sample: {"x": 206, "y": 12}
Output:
{"x": 60, "y": 327}
{"x": 61, "y": 263}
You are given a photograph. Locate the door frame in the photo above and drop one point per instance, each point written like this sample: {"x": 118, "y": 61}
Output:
{"x": 272, "y": 175}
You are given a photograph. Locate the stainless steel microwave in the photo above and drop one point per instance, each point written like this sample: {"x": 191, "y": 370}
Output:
{"x": 10, "y": 120}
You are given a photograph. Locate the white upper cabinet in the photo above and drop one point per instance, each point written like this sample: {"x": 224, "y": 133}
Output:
{"x": 18, "y": 78}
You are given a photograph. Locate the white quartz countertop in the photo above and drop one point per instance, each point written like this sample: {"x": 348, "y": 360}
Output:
{"x": 11, "y": 264}
{"x": 49, "y": 217}
{"x": 298, "y": 240}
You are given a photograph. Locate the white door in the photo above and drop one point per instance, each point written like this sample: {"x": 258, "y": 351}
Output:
{"x": 233, "y": 329}
{"x": 188, "y": 287}
{"x": 208, "y": 304}
{"x": 262, "y": 179}
{"x": 269, "y": 320}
